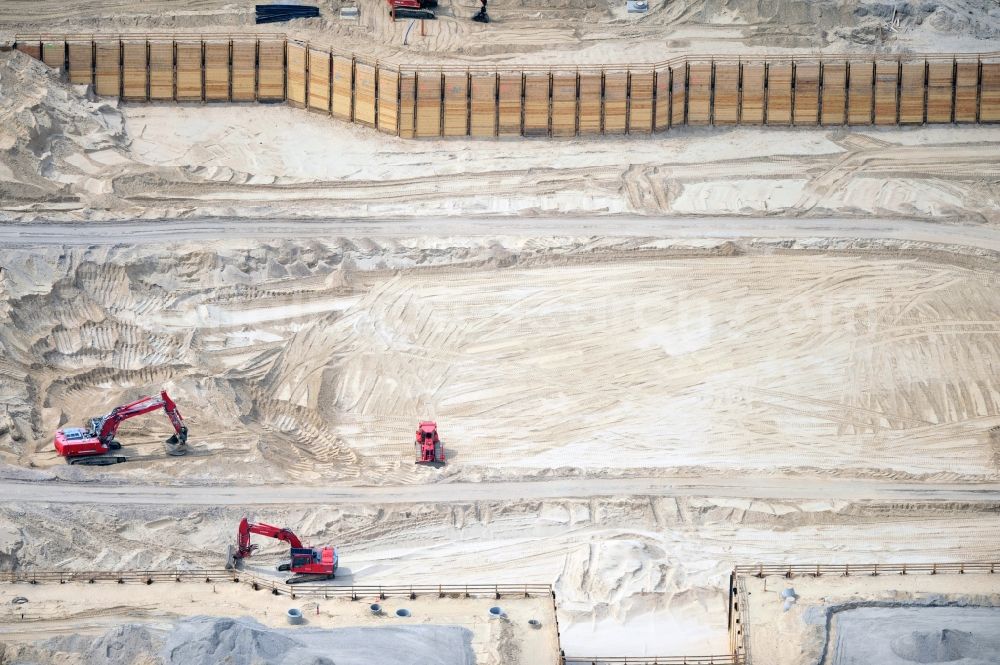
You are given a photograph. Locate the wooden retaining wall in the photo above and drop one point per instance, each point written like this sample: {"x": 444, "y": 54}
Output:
{"x": 431, "y": 102}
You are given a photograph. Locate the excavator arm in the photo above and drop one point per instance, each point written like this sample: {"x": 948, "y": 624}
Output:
{"x": 106, "y": 426}
{"x": 245, "y": 549}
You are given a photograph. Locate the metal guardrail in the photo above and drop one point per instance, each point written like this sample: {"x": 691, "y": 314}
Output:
{"x": 847, "y": 569}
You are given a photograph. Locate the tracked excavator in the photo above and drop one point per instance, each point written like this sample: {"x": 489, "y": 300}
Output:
{"x": 92, "y": 445}
{"x": 419, "y": 9}
{"x": 309, "y": 563}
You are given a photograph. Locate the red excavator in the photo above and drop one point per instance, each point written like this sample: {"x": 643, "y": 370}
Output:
{"x": 428, "y": 444}
{"x": 310, "y": 563}
{"x": 420, "y": 9}
{"x": 91, "y": 445}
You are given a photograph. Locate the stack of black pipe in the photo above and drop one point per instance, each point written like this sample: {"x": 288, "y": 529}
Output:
{"x": 278, "y": 13}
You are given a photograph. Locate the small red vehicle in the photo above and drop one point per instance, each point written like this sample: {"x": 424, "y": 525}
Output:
{"x": 428, "y": 445}
{"x": 309, "y": 563}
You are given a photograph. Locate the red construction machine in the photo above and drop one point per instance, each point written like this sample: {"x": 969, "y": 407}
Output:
{"x": 309, "y": 563}
{"x": 420, "y": 9}
{"x": 91, "y": 445}
{"x": 428, "y": 444}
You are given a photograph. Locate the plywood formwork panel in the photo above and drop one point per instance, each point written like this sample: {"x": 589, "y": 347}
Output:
{"x": 364, "y": 94}
{"x": 295, "y": 73}
{"x": 270, "y": 70}
{"x": 989, "y": 95}
{"x": 217, "y": 71}
{"x": 456, "y": 104}
{"x": 615, "y": 102}
{"x": 640, "y": 102}
{"x": 388, "y": 100}
{"x": 563, "y": 104}
{"x": 859, "y": 91}
{"x": 509, "y": 93}
{"x": 661, "y": 105}
{"x": 134, "y": 65}
{"x": 779, "y": 93}
{"x": 536, "y": 104}
{"x": 678, "y": 95}
{"x": 726, "y": 105}
{"x": 244, "y": 74}
{"x": 752, "y": 102}
{"x": 428, "y": 122}
{"x": 161, "y": 71}
{"x": 590, "y": 104}
{"x": 966, "y": 91}
{"x": 54, "y": 53}
{"x": 407, "y": 104}
{"x": 699, "y": 103}
{"x": 189, "y": 72}
{"x": 805, "y": 109}
{"x": 940, "y": 82}
{"x": 911, "y": 93}
{"x": 107, "y": 76}
{"x": 483, "y": 105}
{"x": 34, "y": 49}
{"x": 834, "y": 93}
{"x": 81, "y": 62}
{"x": 343, "y": 88}
{"x": 886, "y": 84}
{"x": 319, "y": 80}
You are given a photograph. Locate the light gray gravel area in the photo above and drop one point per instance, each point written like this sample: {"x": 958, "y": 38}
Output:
{"x": 910, "y": 635}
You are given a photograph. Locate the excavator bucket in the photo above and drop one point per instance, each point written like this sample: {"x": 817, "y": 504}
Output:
{"x": 177, "y": 444}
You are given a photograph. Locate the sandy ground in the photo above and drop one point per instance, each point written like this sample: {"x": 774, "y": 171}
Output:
{"x": 888, "y": 619}
{"x": 54, "y": 610}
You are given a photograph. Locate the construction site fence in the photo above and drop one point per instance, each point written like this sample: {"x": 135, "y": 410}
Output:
{"x": 847, "y": 569}
{"x": 496, "y": 591}
{"x": 652, "y": 660}
{"x": 435, "y": 101}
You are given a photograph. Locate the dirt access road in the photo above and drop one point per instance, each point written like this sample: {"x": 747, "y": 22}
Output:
{"x": 744, "y": 487}
{"x": 165, "y": 231}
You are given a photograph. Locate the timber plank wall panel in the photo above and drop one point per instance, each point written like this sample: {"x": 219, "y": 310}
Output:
{"x": 834, "y": 106}
{"x": 536, "y": 104}
{"x": 483, "y": 105}
{"x": 678, "y": 95}
{"x": 295, "y": 72}
{"x": 33, "y": 48}
{"x": 189, "y": 72}
{"x": 661, "y": 112}
{"x": 319, "y": 80}
{"x": 364, "y": 94}
{"x": 107, "y": 78}
{"x": 407, "y": 104}
{"x": 640, "y": 102}
{"x": 886, "y": 83}
{"x": 81, "y": 62}
{"x": 428, "y": 122}
{"x": 940, "y": 79}
{"x": 343, "y": 88}
{"x": 161, "y": 71}
{"x": 911, "y": 93}
{"x": 456, "y": 104}
{"x": 752, "y": 103}
{"x": 54, "y": 54}
{"x": 563, "y": 104}
{"x": 699, "y": 103}
{"x": 615, "y": 102}
{"x": 509, "y": 93}
{"x": 388, "y": 100}
{"x": 590, "y": 104}
{"x": 244, "y": 76}
{"x": 270, "y": 70}
{"x": 989, "y": 97}
{"x": 806, "y": 106}
{"x": 966, "y": 91}
{"x": 860, "y": 98}
{"x": 134, "y": 65}
{"x": 726, "y": 106}
{"x": 779, "y": 93}
{"x": 217, "y": 71}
